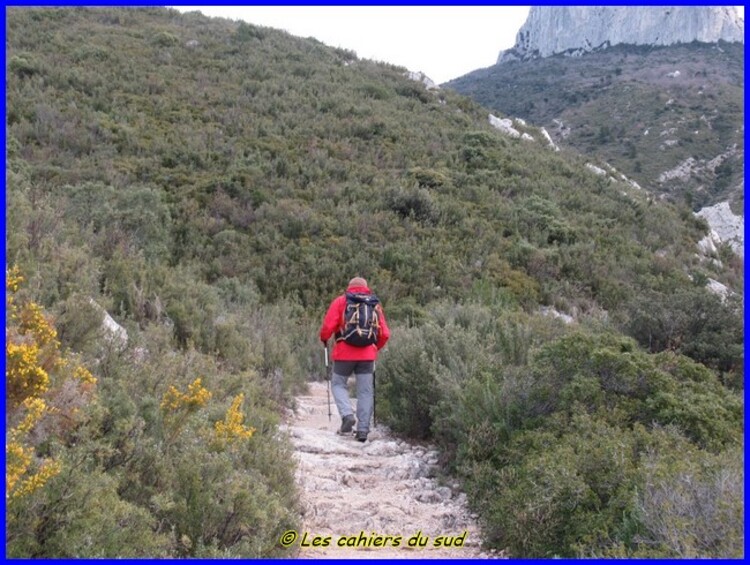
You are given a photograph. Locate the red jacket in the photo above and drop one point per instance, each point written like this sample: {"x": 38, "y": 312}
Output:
{"x": 334, "y": 321}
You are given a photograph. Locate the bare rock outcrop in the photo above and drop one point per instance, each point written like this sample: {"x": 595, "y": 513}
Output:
{"x": 726, "y": 227}
{"x": 575, "y": 30}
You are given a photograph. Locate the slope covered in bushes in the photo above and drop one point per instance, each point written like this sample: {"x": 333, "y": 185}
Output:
{"x": 213, "y": 184}
{"x": 573, "y": 442}
{"x": 669, "y": 117}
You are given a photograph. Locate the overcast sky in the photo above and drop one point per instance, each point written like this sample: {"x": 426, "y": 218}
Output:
{"x": 443, "y": 42}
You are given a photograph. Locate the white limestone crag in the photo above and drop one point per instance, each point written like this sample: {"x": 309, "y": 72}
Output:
{"x": 424, "y": 79}
{"x": 719, "y": 289}
{"x": 726, "y": 226}
{"x": 551, "y": 143}
{"x": 708, "y": 245}
{"x": 505, "y": 125}
{"x": 596, "y": 170}
{"x": 575, "y": 30}
{"x": 552, "y": 312}
{"x": 113, "y": 332}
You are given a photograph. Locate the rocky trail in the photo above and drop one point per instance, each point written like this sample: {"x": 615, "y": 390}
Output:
{"x": 377, "y": 499}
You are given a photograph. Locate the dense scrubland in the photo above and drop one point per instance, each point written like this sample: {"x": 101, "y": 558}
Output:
{"x": 647, "y": 110}
{"x": 212, "y": 185}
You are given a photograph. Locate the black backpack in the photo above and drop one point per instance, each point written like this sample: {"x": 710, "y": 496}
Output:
{"x": 361, "y": 320}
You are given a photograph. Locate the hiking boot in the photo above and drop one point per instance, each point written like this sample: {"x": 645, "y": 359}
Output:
{"x": 362, "y": 436}
{"x": 347, "y": 423}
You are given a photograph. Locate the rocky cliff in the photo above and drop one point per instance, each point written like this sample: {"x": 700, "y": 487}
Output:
{"x": 579, "y": 29}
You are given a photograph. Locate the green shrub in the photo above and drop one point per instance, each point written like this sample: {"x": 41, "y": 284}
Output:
{"x": 81, "y": 515}
{"x": 668, "y": 389}
{"x": 407, "y": 382}
{"x": 708, "y": 413}
{"x": 164, "y": 39}
{"x": 689, "y": 502}
{"x": 216, "y": 504}
{"x": 23, "y": 66}
{"x": 428, "y": 178}
{"x": 554, "y": 450}
{"x": 415, "y": 203}
{"x": 79, "y": 323}
{"x": 691, "y": 321}
{"x": 216, "y": 231}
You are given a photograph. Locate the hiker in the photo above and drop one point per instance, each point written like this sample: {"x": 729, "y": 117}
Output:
{"x": 358, "y": 337}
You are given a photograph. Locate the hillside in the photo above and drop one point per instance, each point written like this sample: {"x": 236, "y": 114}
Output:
{"x": 651, "y": 112}
{"x": 212, "y": 185}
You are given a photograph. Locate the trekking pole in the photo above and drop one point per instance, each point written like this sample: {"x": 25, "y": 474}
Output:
{"x": 374, "y": 396}
{"x": 328, "y": 386}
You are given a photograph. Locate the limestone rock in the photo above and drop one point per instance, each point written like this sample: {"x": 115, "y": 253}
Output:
{"x": 579, "y": 29}
{"x": 726, "y": 225}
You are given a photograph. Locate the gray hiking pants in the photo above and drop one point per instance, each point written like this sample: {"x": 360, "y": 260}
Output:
{"x": 363, "y": 371}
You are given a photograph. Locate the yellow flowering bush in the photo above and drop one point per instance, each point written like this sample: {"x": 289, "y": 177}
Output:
{"x": 31, "y": 346}
{"x": 19, "y": 481}
{"x": 231, "y": 429}
{"x": 31, "y": 320}
{"x": 35, "y": 408}
{"x": 48, "y": 469}
{"x": 84, "y": 375}
{"x": 196, "y": 397}
{"x": 13, "y": 279}
{"x": 36, "y": 374}
{"x": 24, "y": 376}
{"x": 177, "y": 406}
{"x": 17, "y": 462}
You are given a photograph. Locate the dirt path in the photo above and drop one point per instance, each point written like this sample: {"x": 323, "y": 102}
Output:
{"x": 375, "y": 499}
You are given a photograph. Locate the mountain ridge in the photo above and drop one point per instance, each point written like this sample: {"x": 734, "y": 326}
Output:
{"x": 557, "y": 333}
{"x": 670, "y": 118}
{"x": 577, "y": 30}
